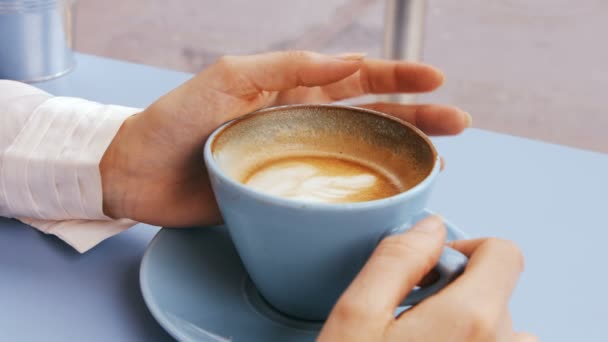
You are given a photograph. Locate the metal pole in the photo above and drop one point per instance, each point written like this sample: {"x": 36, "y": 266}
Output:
{"x": 403, "y": 36}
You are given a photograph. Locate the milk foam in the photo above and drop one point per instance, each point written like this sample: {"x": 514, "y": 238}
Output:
{"x": 302, "y": 180}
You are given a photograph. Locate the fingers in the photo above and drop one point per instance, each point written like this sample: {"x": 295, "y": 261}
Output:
{"x": 384, "y": 76}
{"x": 244, "y": 76}
{"x": 504, "y": 330}
{"x": 432, "y": 119}
{"x": 475, "y": 306}
{"x": 395, "y": 267}
{"x": 339, "y": 77}
{"x": 467, "y": 247}
{"x": 525, "y": 337}
{"x": 489, "y": 278}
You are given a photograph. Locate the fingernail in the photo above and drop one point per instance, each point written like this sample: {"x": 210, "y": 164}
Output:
{"x": 468, "y": 120}
{"x": 351, "y": 56}
{"x": 429, "y": 224}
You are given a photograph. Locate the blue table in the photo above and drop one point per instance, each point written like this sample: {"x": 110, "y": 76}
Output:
{"x": 550, "y": 199}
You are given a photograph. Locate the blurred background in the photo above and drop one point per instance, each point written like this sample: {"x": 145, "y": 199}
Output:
{"x": 537, "y": 69}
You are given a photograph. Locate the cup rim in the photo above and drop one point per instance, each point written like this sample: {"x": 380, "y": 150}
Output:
{"x": 212, "y": 165}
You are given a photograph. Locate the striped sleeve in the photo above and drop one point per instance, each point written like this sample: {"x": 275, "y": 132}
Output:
{"x": 50, "y": 150}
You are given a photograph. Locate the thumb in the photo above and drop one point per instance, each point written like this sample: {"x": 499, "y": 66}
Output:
{"x": 244, "y": 76}
{"x": 397, "y": 265}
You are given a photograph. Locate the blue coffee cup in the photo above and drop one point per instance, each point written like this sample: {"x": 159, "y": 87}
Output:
{"x": 302, "y": 255}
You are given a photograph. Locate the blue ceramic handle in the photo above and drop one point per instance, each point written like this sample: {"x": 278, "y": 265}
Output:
{"x": 451, "y": 264}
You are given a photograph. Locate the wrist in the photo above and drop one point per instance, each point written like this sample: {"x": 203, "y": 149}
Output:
{"x": 114, "y": 180}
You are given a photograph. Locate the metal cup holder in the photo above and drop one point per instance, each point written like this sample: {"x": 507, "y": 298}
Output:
{"x": 36, "y": 39}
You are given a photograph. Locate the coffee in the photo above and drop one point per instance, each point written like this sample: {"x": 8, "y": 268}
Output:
{"x": 322, "y": 178}
{"x": 332, "y": 155}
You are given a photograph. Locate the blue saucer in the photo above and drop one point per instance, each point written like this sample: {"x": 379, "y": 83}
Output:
{"x": 194, "y": 284}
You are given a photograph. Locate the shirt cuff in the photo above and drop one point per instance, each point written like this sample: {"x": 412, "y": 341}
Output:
{"x": 82, "y": 235}
{"x": 50, "y": 173}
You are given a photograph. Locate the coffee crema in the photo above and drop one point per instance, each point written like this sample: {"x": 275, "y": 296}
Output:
{"x": 322, "y": 178}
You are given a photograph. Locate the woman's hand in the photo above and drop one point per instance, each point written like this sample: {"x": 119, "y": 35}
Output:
{"x": 473, "y": 308}
{"x": 153, "y": 170}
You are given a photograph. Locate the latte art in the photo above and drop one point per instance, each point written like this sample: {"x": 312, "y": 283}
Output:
{"x": 325, "y": 179}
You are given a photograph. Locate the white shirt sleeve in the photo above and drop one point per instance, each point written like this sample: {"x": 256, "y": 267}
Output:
{"x": 50, "y": 150}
